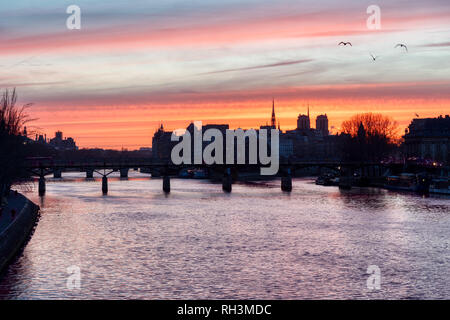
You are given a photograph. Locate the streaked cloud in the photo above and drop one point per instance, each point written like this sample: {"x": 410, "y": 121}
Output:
{"x": 271, "y": 65}
{"x": 437, "y": 45}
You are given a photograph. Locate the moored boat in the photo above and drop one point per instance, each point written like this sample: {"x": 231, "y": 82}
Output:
{"x": 408, "y": 182}
{"x": 193, "y": 174}
{"x": 327, "y": 180}
{"x": 200, "y": 174}
{"x": 441, "y": 186}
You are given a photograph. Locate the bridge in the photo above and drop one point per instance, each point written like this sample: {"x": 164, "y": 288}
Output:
{"x": 41, "y": 167}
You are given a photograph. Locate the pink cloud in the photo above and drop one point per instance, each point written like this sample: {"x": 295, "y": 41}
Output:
{"x": 239, "y": 30}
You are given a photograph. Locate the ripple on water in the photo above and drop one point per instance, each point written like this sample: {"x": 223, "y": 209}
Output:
{"x": 257, "y": 242}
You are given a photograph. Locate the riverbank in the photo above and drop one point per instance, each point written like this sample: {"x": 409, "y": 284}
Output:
{"x": 17, "y": 219}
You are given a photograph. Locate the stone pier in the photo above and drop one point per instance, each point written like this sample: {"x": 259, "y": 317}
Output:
{"x": 227, "y": 181}
{"x": 166, "y": 184}
{"x": 89, "y": 174}
{"x": 57, "y": 173}
{"x": 286, "y": 181}
{"x": 346, "y": 179}
{"x": 124, "y": 172}
{"x": 41, "y": 185}
{"x": 105, "y": 185}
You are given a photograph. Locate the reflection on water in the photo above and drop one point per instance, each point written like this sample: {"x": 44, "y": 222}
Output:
{"x": 257, "y": 242}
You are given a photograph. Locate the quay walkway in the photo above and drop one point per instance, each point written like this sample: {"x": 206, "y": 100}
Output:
{"x": 17, "y": 219}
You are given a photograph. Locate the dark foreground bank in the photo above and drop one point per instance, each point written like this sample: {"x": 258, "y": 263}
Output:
{"x": 17, "y": 219}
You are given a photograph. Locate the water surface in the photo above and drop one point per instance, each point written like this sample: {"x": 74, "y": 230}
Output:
{"x": 255, "y": 243}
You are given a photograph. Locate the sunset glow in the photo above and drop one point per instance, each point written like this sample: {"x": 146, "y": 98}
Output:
{"x": 130, "y": 68}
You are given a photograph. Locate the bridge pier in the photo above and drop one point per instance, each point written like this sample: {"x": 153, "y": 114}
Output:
{"x": 227, "y": 181}
{"x": 346, "y": 179}
{"x": 124, "y": 172}
{"x": 105, "y": 185}
{"x": 166, "y": 184}
{"x": 286, "y": 181}
{"x": 41, "y": 185}
{"x": 89, "y": 174}
{"x": 57, "y": 173}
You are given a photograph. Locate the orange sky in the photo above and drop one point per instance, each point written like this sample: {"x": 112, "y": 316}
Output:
{"x": 128, "y": 68}
{"x": 133, "y": 128}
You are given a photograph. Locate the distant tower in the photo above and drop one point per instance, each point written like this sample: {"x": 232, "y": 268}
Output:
{"x": 273, "y": 121}
{"x": 25, "y": 133}
{"x": 322, "y": 124}
{"x": 59, "y": 135}
{"x": 303, "y": 122}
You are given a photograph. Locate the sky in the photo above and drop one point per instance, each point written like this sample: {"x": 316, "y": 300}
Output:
{"x": 135, "y": 64}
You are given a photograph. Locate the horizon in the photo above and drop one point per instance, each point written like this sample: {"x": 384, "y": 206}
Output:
{"x": 332, "y": 131}
{"x": 129, "y": 68}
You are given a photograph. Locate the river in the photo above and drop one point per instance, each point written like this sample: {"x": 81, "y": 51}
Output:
{"x": 255, "y": 243}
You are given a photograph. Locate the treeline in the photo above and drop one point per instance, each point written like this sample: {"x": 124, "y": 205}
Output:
{"x": 370, "y": 137}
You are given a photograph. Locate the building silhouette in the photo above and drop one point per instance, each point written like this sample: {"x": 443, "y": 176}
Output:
{"x": 322, "y": 124}
{"x": 303, "y": 143}
{"x": 59, "y": 143}
{"x": 303, "y": 122}
{"x": 428, "y": 139}
{"x": 162, "y": 144}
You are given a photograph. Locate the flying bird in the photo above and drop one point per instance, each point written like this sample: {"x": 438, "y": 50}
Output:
{"x": 374, "y": 57}
{"x": 345, "y": 43}
{"x": 401, "y": 45}
{"x": 417, "y": 115}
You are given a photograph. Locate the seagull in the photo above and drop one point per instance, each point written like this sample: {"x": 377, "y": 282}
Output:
{"x": 373, "y": 57}
{"x": 345, "y": 43}
{"x": 401, "y": 45}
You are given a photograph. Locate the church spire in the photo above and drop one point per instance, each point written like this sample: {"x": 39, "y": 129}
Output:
{"x": 273, "y": 121}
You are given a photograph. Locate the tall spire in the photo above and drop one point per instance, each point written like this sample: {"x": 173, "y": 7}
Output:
{"x": 273, "y": 122}
{"x": 308, "y": 110}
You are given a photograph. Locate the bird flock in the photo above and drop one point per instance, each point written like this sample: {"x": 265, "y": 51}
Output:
{"x": 374, "y": 58}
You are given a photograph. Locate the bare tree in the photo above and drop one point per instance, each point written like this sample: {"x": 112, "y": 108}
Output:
{"x": 13, "y": 118}
{"x": 375, "y": 124}
{"x": 372, "y": 136}
{"x": 12, "y": 148}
